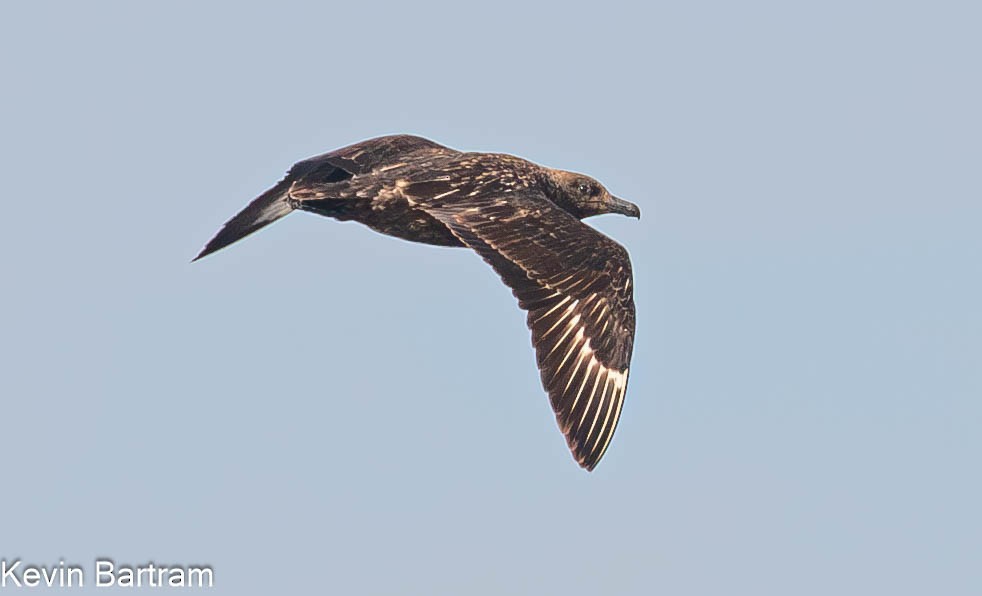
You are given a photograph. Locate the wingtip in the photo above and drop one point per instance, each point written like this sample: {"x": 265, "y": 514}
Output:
{"x": 270, "y": 206}
{"x": 207, "y": 250}
{"x": 588, "y": 464}
{"x": 204, "y": 253}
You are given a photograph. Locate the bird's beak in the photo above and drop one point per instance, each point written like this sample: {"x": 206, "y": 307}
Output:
{"x": 624, "y": 207}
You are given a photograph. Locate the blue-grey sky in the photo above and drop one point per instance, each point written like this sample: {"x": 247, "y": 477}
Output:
{"x": 321, "y": 409}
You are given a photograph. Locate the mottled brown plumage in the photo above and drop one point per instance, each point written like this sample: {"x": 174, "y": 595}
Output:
{"x": 524, "y": 220}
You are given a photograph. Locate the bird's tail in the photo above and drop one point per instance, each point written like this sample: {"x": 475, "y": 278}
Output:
{"x": 269, "y": 207}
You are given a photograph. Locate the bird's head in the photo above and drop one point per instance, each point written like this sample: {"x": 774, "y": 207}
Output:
{"x": 583, "y": 196}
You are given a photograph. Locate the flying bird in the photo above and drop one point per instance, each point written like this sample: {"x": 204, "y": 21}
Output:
{"x": 524, "y": 220}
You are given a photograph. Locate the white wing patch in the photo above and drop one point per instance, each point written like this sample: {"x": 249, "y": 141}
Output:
{"x": 592, "y": 390}
{"x": 614, "y": 407}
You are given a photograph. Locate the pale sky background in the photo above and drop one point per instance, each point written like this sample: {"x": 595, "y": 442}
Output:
{"x": 321, "y": 409}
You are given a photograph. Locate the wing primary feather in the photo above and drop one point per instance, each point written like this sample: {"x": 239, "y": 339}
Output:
{"x": 572, "y": 348}
{"x": 551, "y": 310}
{"x": 603, "y": 426}
{"x": 569, "y": 311}
{"x": 600, "y": 403}
{"x": 613, "y": 426}
{"x": 586, "y": 377}
{"x": 569, "y": 327}
{"x": 576, "y": 367}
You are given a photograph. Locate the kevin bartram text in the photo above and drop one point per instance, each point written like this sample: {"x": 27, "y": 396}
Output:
{"x": 105, "y": 573}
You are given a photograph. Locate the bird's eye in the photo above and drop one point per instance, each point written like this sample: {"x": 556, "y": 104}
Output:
{"x": 588, "y": 188}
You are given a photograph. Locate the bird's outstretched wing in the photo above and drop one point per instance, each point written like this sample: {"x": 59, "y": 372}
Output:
{"x": 342, "y": 164}
{"x": 575, "y": 284}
